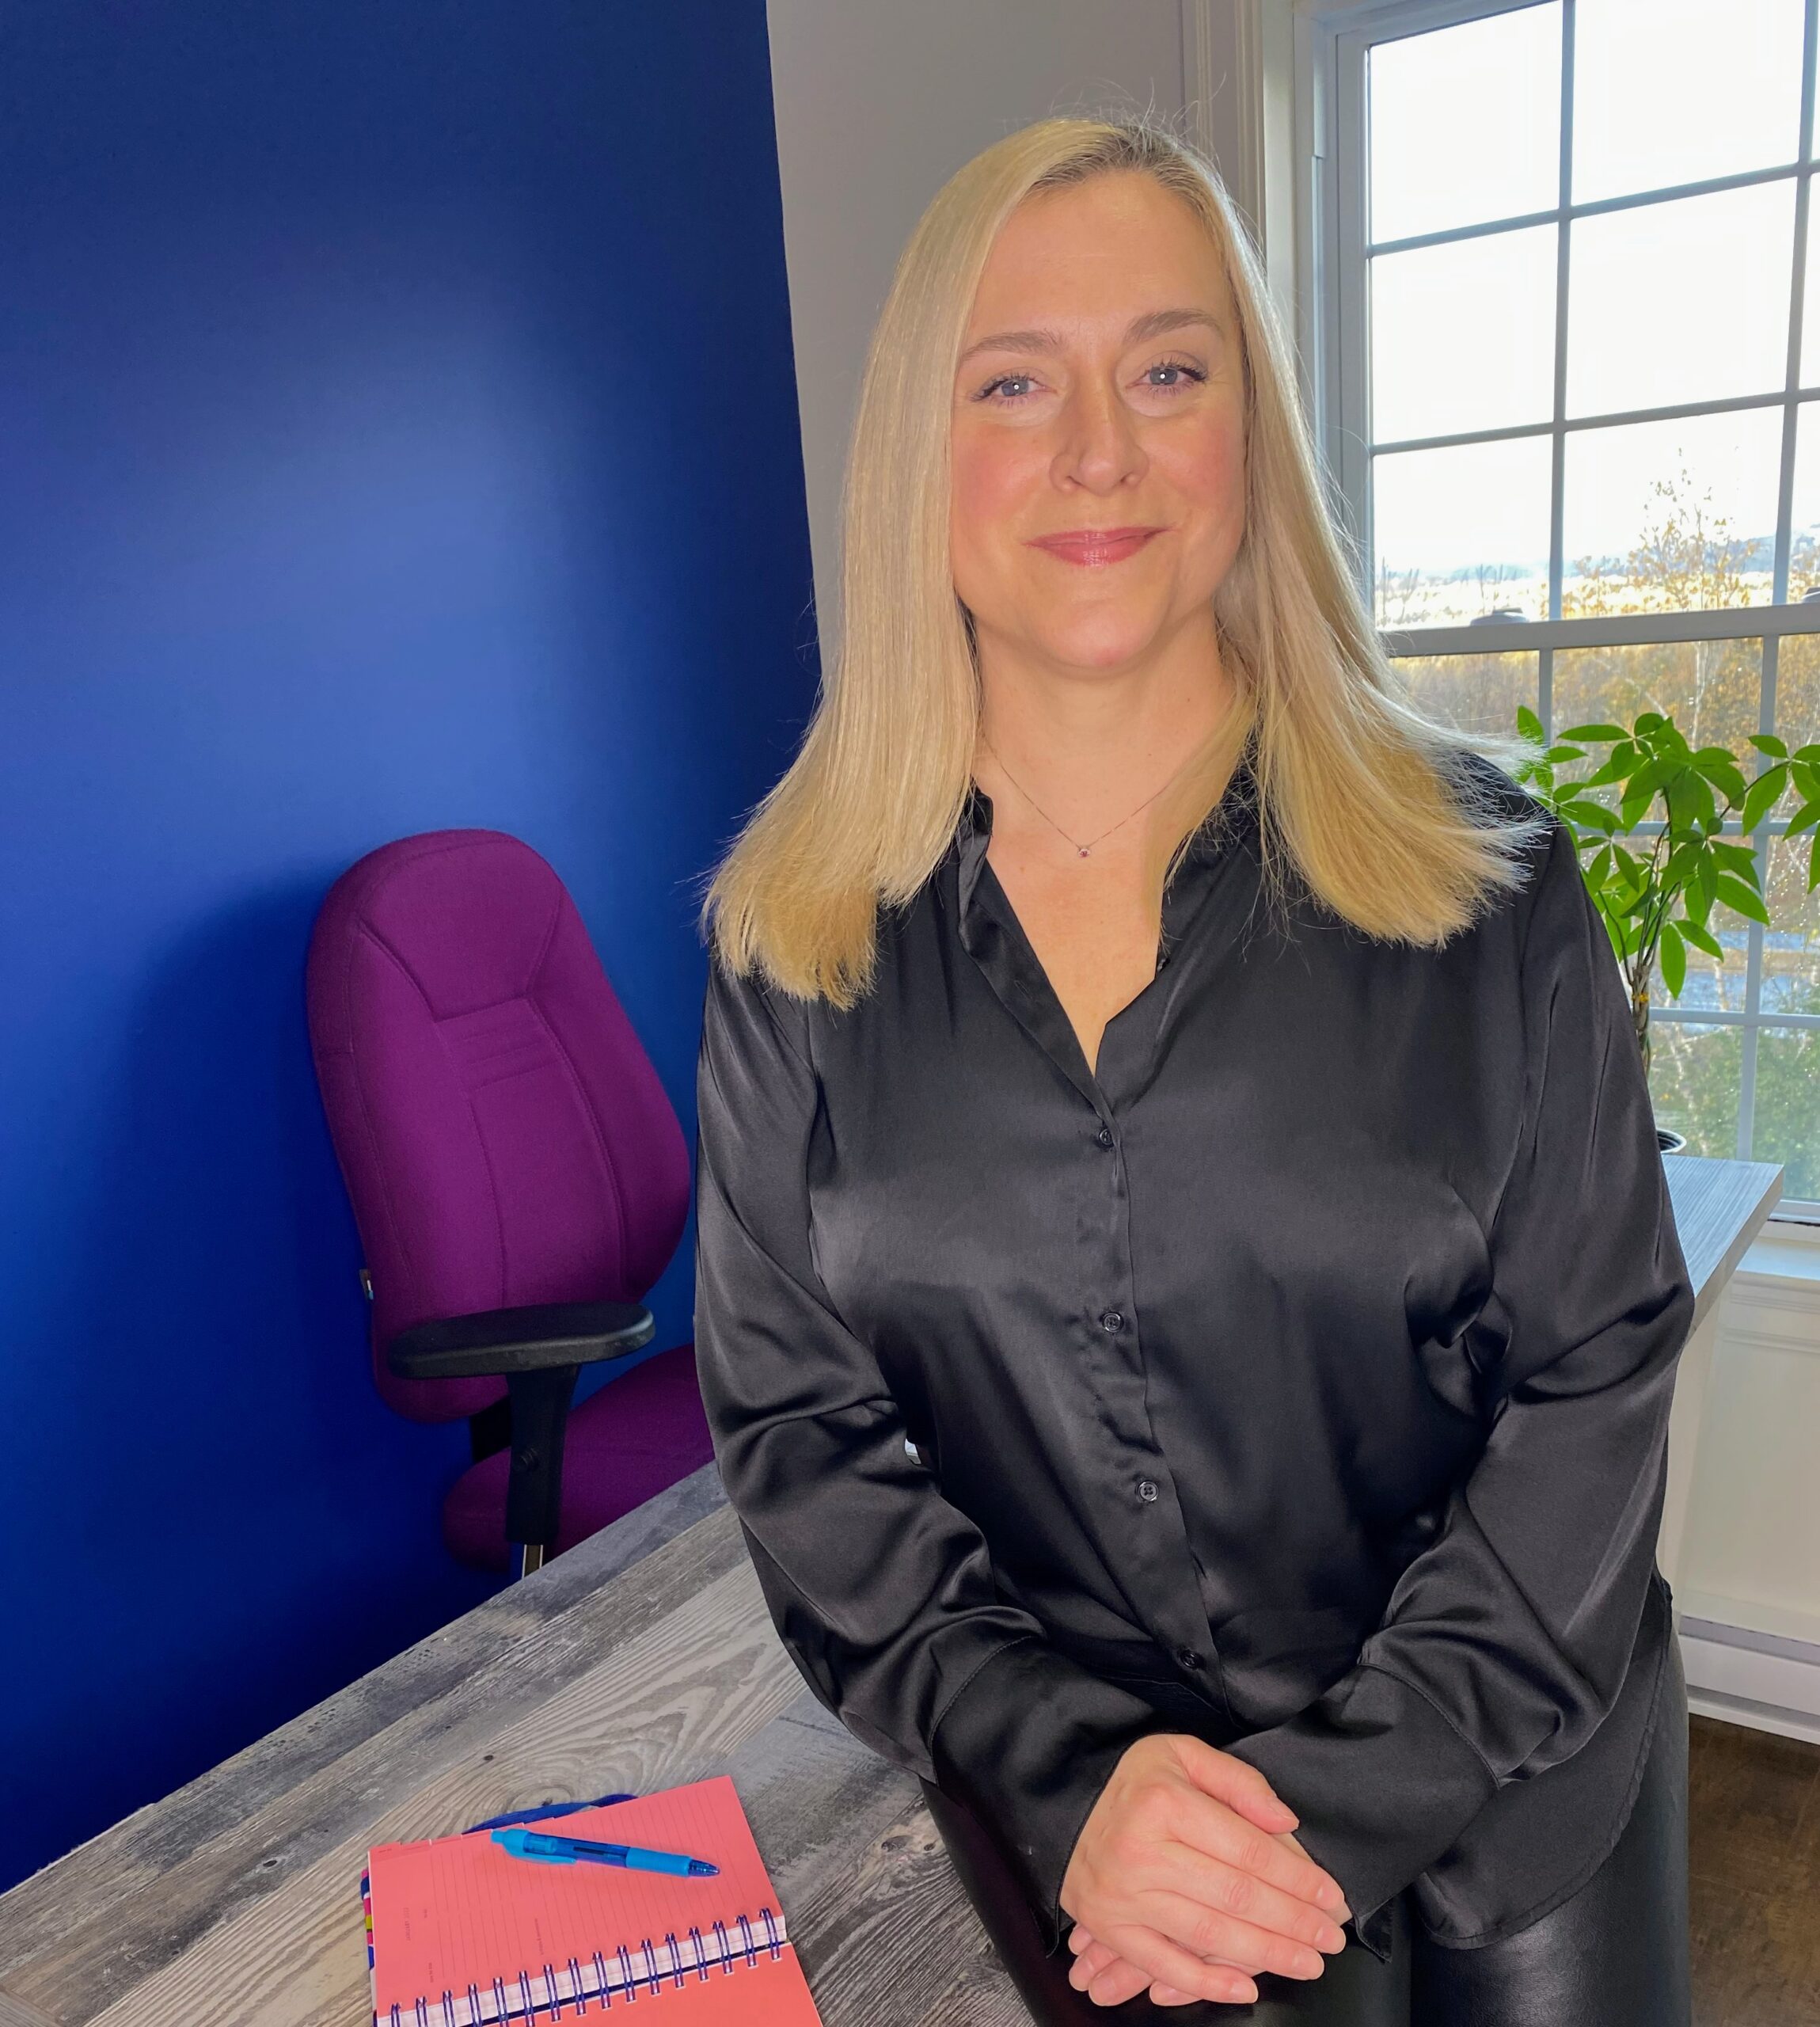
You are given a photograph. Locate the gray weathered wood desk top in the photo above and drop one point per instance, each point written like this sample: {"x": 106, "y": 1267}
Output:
{"x": 1719, "y": 1208}
{"x": 642, "y": 1659}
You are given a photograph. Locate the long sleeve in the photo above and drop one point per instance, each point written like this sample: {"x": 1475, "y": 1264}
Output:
{"x": 880, "y": 1589}
{"x": 1507, "y": 1640}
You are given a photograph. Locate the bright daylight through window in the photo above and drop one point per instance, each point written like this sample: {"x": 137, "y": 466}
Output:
{"x": 1572, "y": 392}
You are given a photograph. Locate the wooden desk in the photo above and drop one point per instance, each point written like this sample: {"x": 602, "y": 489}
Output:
{"x": 642, "y": 1658}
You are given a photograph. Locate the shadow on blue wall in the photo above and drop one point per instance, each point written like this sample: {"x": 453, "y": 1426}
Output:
{"x": 401, "y": 435}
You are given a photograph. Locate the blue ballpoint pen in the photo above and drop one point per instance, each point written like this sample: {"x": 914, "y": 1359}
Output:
{"x": 578, "y": 1850}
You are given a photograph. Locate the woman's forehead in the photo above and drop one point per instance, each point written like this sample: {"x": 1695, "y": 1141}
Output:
{"x": 1102, "y": 253}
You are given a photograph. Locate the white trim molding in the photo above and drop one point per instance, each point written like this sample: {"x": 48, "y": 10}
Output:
{"x": 1238, "y": 61}
{"x": 1747, "y": 1588}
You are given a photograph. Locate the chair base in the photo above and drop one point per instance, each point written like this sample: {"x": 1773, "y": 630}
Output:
{"x": 637, "y": 1436}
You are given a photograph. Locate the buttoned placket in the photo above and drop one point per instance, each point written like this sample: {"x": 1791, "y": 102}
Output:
{"x": 1162, "y": 1579}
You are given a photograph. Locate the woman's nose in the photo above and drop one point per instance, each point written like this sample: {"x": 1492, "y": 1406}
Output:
{"x": 1099, "y": 448}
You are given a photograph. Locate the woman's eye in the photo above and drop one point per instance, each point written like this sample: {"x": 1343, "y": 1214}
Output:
{"x": 1185, "y": 374}
{"x": 1011, "y": 389}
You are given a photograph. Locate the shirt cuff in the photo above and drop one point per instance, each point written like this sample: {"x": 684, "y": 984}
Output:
{"x": 1382, "y": 1785}
{"x": 1026, "y": 1746}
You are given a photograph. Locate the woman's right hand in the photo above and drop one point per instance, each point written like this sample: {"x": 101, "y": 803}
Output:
{"x": 1184, "y": 1869}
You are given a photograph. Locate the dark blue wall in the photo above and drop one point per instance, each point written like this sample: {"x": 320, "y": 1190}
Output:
{"x": 397, "y": 430}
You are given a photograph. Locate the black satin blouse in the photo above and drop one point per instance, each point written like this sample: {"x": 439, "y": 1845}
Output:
{"x": 1315, "y": 1352}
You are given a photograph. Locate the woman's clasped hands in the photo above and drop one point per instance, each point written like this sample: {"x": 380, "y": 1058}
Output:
{"x": 1186, "y": 1879}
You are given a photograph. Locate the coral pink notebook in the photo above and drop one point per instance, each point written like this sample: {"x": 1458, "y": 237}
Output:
{"x": 462, "y": 1934}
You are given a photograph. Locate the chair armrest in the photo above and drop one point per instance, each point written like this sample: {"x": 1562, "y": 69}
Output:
{"x": 501, "y": 1341}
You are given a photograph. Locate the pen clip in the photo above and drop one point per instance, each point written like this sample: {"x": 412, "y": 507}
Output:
{"x": 518, "y": 1844}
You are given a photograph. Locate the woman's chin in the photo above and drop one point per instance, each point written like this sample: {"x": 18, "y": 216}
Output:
{"x": 1098, "y": 647}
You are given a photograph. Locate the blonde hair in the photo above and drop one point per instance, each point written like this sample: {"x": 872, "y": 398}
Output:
{"x": 1361, "y": 798}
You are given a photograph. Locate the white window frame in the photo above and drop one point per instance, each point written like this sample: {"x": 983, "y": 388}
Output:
{"x": 1332, "y": 253}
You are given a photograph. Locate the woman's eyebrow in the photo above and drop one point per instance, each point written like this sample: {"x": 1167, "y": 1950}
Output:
{"x": 1151, "y": 325}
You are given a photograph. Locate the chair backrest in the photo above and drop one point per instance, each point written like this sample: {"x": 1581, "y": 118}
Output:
{"x": 502, "y": 1135}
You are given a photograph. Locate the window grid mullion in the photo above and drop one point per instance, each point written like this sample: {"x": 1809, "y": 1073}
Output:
{"x": 1558, "y": 437}
{"x": 1606, "y": 419}
{"x": 1632, "y": 200}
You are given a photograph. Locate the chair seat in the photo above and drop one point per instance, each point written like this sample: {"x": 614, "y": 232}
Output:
{"x": 625, "y": 1444}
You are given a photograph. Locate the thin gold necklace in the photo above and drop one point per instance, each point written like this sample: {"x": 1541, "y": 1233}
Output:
{"x": 1082, "y": 849}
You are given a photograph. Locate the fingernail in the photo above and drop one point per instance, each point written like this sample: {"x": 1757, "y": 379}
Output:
{"x": 1332, "y": 1938}
{"x": 1309, "y": 1964}
{"x": 1331, "y": 1897}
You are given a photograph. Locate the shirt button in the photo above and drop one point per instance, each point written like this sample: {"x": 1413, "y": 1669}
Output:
{"x": 1105, "y": 1136}
{"x": 1186, "y": 1657}
{"x": 1146, "y": 1490}
{"x": 1111, "y": 1319}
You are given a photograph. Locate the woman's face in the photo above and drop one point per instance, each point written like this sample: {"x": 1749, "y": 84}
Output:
{"x": 1099, "y": 394}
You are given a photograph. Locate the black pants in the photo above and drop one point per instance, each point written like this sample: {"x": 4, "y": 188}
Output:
{"x": 1615, "y": 1954}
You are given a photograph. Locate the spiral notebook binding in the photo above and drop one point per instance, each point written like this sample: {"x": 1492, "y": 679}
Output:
{"x": 551, "y": 1994}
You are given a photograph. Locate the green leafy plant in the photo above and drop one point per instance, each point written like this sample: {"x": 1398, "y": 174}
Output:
{"x": 1656, "y": 902}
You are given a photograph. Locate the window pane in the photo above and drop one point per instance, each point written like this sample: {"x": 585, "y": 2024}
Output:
{"x": 1463, "y": 336}
{"x": 1460, "y": 533}
{"x": 1466, "y": 123}
{"x": 1471, "y": 693}
{"x": 1671, "y": 516}
{"x": 1675, "y": 91}
{"x": 1693, "y": 1081}
{"x": 1710, "y": 688}
{"x": 1682, "y": 302}
{"x": 1792, "y": 945}
{"x": 1788, "y": 1124}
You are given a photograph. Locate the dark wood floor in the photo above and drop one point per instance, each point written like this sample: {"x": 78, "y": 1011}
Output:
{"x": 1754, "y": 1803}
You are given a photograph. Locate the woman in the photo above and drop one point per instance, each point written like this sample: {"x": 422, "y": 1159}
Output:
{"x": 1187, "y": 1295}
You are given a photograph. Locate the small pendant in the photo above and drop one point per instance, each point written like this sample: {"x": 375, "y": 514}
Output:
{"x": 1083, "y": 850}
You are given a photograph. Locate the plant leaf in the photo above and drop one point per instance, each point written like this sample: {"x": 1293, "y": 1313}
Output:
{"x": 1724, "y": 772}
{"x": 1596, "y": 814}
{"x": 1595, "y": 731}
{"x": 1745, "y": 900}
{"x": 1702, "y": 938}
{"x": 1530, "y": 725}
{"x": 1765, "y": 791}
{"x": 1767, "y": 743}
{"x": 1671, "y": 954}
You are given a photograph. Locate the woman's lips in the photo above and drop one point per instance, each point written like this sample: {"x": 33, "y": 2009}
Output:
{"x": 1093, "y": 546}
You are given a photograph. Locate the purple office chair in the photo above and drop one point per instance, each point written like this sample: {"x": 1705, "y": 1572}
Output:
{"x": 519, "y": 1178}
